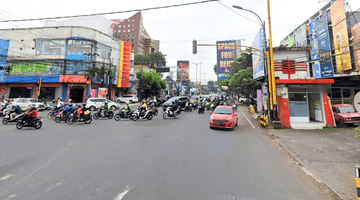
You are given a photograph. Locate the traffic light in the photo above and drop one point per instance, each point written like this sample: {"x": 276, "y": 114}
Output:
{"x": 194, "y": 47}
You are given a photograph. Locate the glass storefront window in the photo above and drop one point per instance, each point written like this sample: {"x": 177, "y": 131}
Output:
{"x": 346, "y": 93}
{"x": 336, "y": 93}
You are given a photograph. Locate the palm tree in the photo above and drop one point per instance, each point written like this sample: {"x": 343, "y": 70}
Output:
{"x": 91, "y": 73}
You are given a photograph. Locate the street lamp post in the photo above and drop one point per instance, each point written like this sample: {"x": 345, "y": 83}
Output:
{"x": 196, "y": 68}
{"x": 267, "y": 68}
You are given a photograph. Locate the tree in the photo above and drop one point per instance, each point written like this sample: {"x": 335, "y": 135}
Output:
{"x": 153, "y": 60}
{"x": 215, "y": 69}
{"x": 242, "y": 82}
{"x": 151, "y": 79}
{"x": 91, "y": 73}
{"x": 243, "y": 62}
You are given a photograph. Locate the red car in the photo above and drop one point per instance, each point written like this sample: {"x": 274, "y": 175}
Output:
{"x": 346, "y": 114}
{"x": 223, "y": 117}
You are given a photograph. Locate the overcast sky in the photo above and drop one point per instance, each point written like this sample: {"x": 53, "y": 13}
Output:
{"x": 177, "y": 27}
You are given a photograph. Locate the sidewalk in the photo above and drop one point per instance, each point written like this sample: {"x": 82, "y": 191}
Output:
{"x": 329, "y": 156}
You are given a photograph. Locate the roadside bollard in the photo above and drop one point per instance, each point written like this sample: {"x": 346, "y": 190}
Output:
{"x": 263, "y": 121}
{"x": 357, "y": 178}
{"x": 252, "y": 110}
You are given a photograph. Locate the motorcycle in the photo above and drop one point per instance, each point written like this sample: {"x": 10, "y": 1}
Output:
{"x": 73, "y": 117}
{"x": 212, "y": 107}
{"x": 37, "y": 123}
{"x": 201, "y": 109}
{"x": 136, "y": 115}
{"x": 121, "y": 114}
{"x": 53, "y": 113}
{"x": 60, "y": 116}
{"x": 207, "y": 106}
{"x": 15, "y": 119}
{"x": 154, "y": 110}
{"x": 109, "y": 114}
{"x": 168, "y": 113}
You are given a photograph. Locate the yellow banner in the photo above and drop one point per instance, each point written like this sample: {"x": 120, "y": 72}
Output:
{"x": 120, "y": 65}
{"x": 341, "y": 40}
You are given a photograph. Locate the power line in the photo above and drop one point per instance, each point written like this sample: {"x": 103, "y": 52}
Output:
{"x": 238, "y": 13}
{"x": 110, "y": 13}
{"x": 209, "y": 38}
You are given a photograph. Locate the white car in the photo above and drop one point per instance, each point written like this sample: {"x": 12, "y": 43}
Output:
{"x": 127, "y": 99}
{"x": 95, "y": 103}
{"x": 24, "y": 103}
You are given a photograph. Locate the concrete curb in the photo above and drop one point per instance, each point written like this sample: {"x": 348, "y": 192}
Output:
{"x": 305, "y": 166}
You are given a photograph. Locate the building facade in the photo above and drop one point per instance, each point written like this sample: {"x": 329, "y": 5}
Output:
{"x": 133, "y": 30}
{"x": 59, "y": 57}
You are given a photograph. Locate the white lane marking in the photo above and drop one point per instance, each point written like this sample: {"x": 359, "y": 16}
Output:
{"x": 247, "y": 119}
{"x": 11, "y": 196}
{"x": 36, "y": 171}
{"x": 52, "y": 187}
{"x": 122, "y": 194}
{"x": 6, "y": 177}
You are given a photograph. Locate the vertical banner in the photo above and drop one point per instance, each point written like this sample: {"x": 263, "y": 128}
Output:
{"x": 120, "y": 65}
{"x": 340, "y": 34}
{"x": 324, "y": 49}
{"x": 355, "y": 33}
{"x": 300, "y": 37}
{"x": 314, "y": 48}
{"x": 258, "y": 57}
{"x": 126, "y": 65}
{"x": 226, "y": 54}
{"x": 4, "y": 46}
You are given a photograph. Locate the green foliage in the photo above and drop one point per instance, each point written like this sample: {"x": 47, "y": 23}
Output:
{"x": 215, "y": 69}
{"x": 151, "y": 79}
{"x": 243, "y": 62}
{"x": 152, "y": 60}
{"x": 91, "y": 72}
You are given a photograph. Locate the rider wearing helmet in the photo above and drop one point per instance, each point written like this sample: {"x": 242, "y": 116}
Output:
{"x": 104, "y": 108}
{"x": 173, "y": 107}
{"x": 143, "y": 108}
{"x": 68, "y": 109}
{"x": 31, "y": 115}
{"x": 16, "y": 111}
{"x": 127, "y": 109}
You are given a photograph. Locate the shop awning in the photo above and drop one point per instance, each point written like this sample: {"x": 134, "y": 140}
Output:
{"x": 304, "y": 81}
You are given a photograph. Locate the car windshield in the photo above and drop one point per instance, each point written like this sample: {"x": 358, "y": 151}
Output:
{"x": 348, "y": 109}
{"x": 223, "y": 111}
{"x": 172, "y": 99}
{"x": 32, "y": 100}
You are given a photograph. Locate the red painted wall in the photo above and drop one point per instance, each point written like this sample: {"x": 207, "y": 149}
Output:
{"x": 283, "y": 111}
{"x": 328, "y": 116}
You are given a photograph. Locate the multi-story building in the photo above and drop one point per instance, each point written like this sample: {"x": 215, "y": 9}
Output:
{"x": 132, "y": 30}
{"x": 59, "y": 57}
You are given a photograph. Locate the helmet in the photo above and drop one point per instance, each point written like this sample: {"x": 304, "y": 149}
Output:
{"x": 84, "y": 104}
{"x": 106, "y": 102}
{"x": 197, "y": 98}
{"x": 66, "y": 104}
{"x": 6, "y": 99}
{"x": 144, "y": 101}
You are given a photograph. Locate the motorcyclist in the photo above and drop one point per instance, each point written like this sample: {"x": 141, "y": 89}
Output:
{"x": 6, "y": 103}
{"x": 196, "y": 101}
{"x": 104, "y": 108}
{"x": 31, "y": 115}
{"x": 16, "y": 111}
{"x": 127, "y": 109}
{"x": 173, "y": 107}
{"x": 68, "y": 109}
{"x": 80, "y": 112}
{"x": 143, "y": 108}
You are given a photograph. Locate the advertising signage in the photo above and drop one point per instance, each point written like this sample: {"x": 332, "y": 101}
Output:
{"x": 323, "y": 46}
{"x": 183, "y": 70}
{"x": 355, "y": 33}
{"x": 258, "y": 57}
{"x": 314, "y": 47}
{"x": 340, "y": 34}
{"x": 225, "y": 56}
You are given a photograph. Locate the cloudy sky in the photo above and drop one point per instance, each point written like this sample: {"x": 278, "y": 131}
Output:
{"x": 177, "y": 27}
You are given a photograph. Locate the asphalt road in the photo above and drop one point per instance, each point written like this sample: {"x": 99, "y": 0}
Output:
{"x": 157, "y": 159}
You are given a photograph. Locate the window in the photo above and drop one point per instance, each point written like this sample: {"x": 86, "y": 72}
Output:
{"x": 346, "y": 93}
{"x": 123, "y": 35}
{"x": 128, "y": 35}
{"x": 336, "y": 93}
{"x": 132, "y": 35}
{"x": 133, "y": 20}
{"x": 128, "y": 30}
{"x": 50, "y": 46}
{"x": 129, "y": 25}
{"x": 133, "y": 25}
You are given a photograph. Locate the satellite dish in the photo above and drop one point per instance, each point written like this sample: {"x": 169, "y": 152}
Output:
{"x": 357, "y": 101}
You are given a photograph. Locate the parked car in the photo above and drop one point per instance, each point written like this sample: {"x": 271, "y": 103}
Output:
{"x": 95, "y": 103}
{"x": 127, "y": 99}
{"x": 24, "y": 103}
{"x": 346, "y": 114}
{"x": 181, "y": 100}
{"x": 242, "y": 99}
{"x": 223, "y": 117}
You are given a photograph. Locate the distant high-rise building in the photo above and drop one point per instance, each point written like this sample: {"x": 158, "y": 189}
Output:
{"x": 132, "y": 30}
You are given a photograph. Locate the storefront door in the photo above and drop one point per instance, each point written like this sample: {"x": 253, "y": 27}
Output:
{"x": 298, "y": 107}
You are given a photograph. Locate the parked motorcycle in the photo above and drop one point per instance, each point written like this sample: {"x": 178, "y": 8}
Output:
{"x": 15, "y": 119}
{"x": 37, "y": 123}
{"x": 74, "y": 117}
{"x": 168, "y": 113}
{"x": 109, "y": 114}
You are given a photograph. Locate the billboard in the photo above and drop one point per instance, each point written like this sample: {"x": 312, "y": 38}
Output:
{"x": 300, "y": 37}
{"x": 355, "y": 33}
{"x": 182, "y": 70}
{"x": 225, "y": 56}
{"x": 323, "y": 50}
{"x": 314, "y": 47}
{"x": 340, "y": 34}
{"x": 257, "y": 56}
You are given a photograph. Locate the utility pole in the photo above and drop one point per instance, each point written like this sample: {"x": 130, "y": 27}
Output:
{"x": 90, "y": 59}
{"x": 196, "y": 69}
{"x": 205, "y": 76}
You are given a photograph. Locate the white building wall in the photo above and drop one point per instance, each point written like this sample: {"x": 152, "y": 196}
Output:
{"x": 298, "y": 56}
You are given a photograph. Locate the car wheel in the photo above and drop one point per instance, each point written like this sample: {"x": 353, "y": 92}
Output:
{"x": 92, "y": 108}
{"x": 237, "y": 122}
{"x": 130, "y": 101}
{"x": 342, "y": 124}
{"x": 211, "y": 127}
